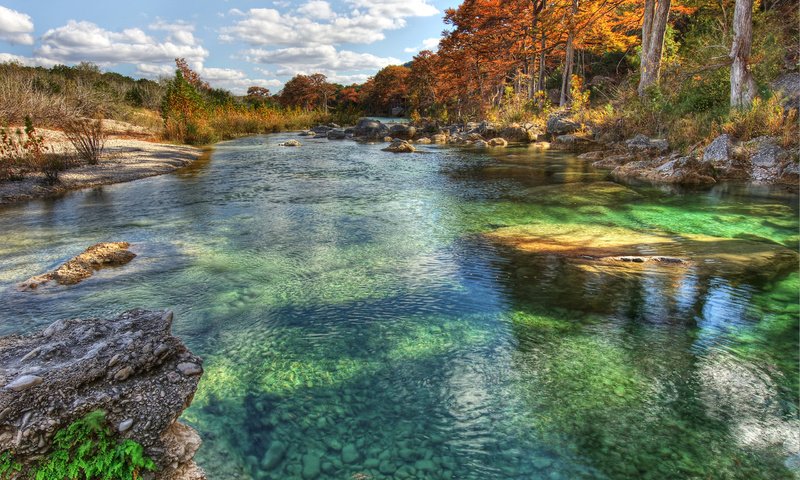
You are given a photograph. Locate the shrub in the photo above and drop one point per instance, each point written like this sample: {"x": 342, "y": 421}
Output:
{"x": 20, "y": 151}
{"x": 88, "y": 138}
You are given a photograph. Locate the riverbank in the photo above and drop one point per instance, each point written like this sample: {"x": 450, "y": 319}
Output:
{"x": 129, "y": 155}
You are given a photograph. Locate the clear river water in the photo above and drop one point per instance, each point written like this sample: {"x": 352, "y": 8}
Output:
{"x": 358, "y": 319}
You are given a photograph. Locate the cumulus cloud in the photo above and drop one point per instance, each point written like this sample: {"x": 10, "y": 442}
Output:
{"x": 316, "y": 23}
{"x": 228, "y": 78}
{"x": 85, "y": 41}
{"x": 318, "y": 9}
{"x": 318, "y": 58}
{"x": 427, "y": 44}
{"x": 27, "y": 61}
{"x": 15, "y": 27}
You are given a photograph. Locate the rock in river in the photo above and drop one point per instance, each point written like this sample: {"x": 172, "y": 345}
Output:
{"x": 83, "y": 266}
{"x": 59, "y": 374}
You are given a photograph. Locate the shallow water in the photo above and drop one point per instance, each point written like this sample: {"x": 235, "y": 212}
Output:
{"x": 357, "y": 324}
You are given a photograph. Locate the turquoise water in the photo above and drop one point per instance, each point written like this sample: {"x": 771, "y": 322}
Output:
{"x": 357, "y": 322}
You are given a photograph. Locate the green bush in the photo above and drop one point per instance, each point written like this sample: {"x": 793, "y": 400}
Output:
{"x": 85, "y": 450}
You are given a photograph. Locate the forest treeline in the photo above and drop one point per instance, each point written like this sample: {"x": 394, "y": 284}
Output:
{"x": 683, "y": 69}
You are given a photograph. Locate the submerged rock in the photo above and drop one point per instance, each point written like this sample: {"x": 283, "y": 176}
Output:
{"x": 579, "y": 194}
{"x": 619, "y": 247}
{"x": 58, "y": 375}
{"x": 100, "y": 255}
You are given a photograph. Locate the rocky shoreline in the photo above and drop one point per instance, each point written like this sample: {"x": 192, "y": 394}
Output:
{"x": 761, "y": 160}
{"x": 131, "y": 367}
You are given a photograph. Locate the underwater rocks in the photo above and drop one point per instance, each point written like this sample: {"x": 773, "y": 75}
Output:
{"x": 615, "y": 247}
{"x": 581, "y": 194}
{"x": 101, "y": 255}
{"x": 129, "y": 366}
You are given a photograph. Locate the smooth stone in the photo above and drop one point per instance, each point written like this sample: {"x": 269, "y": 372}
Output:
{"x": 311, "y": 465}
{"x": 24, "y": 382}
{"x": 123, "y": 374}
{"x": 387, "y": 468}
{"x": 125, "y": 425}
{"x": 542, "y": 462}
{"x": 274, "y": 455}
{"x": 189, "y": 369}
{"x": 334, "y": 444}
{"x": 426, "y": 465}
{"x": 371, "y": 463}
{"x": 349, "y": 453}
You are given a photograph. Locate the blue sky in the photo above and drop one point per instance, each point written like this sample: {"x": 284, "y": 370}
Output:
{"x": 233, "y": 44}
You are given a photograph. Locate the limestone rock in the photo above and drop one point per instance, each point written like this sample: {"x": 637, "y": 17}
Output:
{"x": 290, "y": 143}
{"x": 336, "y": 134}
{"x": 73, "y": 359}
{"x": 83, "y": 266}
{"x": 718, "y": 153}
{"x": 558, "y": 123}
{"x": 439, "y": 138}
{"x": 400, "y": 146}
{"x": 370, "y": 129}
{"x": 402, "y": 131}
{"x": 498, "y": 142}
{"x": 766, "y": 160}
{"x": 646, "y": 144}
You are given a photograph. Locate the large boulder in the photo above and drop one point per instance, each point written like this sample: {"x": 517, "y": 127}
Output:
{"x": 787, "y": 86}
{"x": 321, "y": 129}
{"x": 674, "y": 169}
{"x": 498, "y": 142}
{"x": 559, "y": 123}
{"x": 643, "y": 143}
{"x": 370, "y": 129}
{"x": 336, "y": 134}
{"x": 403, "y": 131}
{"x": 718, "y": 153}
{"x": 517, "y": 133}
{"x": 400, "y": 146}
{"x": 130, "y": 367}
{"x": 767, "y": 160}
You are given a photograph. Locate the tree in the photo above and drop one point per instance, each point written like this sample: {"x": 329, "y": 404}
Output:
{"x": 743, "y": 85}
{"x": 654, "y": 25}
{"x": 569, "y": 57}
{"x": 257, "y": 92}
{"x": 190, "y": 75}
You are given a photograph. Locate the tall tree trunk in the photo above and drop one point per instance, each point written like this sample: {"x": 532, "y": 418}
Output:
{"x": 542, "y": 59}
{"x": 654, "y": 26}
{"x": 743, "y": 86}
{"x": 569, "y": 59}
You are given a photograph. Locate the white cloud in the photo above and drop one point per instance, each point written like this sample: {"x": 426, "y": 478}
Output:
{"x": 85, "y": 41}
{"x": 228, "y": 78}
{"x": 316, "y": 23}
{"x": 27, "y": 61}
{"x": 179, "y": 32}
{"x": 318, "y": 58}
{"x": 318, "y": 9}
{"x": 427, "y": 44}
{"x": 15, "y": 27}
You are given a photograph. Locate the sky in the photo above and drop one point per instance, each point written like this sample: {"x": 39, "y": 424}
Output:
{"x": 233, "y": 44}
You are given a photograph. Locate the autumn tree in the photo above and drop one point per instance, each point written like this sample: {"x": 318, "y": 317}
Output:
{"x": 388, "y": 89}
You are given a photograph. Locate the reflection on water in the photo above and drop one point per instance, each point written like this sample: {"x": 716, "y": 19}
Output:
{"x": 357, "y": 323}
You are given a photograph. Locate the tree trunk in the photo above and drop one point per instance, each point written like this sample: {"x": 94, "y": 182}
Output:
{"x": 654, "y": 26}
{"x": 743, "y": 86}
{"x": 569, "y": 59}
{"x": 542, "y": 59}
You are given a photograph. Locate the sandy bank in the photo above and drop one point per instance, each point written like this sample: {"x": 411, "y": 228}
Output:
{"x": 123, "y": 160}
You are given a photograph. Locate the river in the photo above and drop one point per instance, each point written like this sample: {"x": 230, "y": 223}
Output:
{"x": 357, "y": 322}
